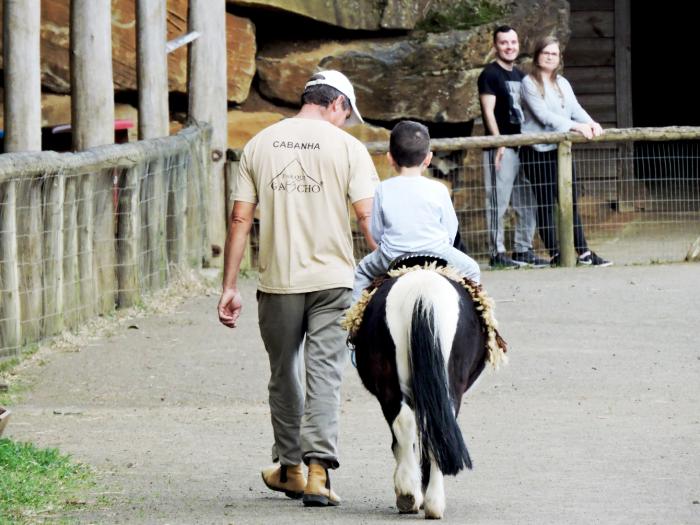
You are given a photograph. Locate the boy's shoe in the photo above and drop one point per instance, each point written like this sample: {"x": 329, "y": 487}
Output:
{"x": 289, "y": 479}
{"x": 555, "y": 260}
{"x": 589, "y": 258}
{"x": 529, "y": 258}
{"x": 502, "y": 261}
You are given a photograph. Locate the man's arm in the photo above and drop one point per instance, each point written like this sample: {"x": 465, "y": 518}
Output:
{"x": 488, "y": 107}
{"x": 363, "y": 212}
{"x": 230, "y": 304}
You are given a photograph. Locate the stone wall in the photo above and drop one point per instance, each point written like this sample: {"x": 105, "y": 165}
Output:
{"x": 414, "y": 59}
{"x": 407, "y": 58}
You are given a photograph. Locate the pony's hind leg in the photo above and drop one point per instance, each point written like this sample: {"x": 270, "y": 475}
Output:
{"x": 407, "y": 479}
{"x": 435, "y": 493}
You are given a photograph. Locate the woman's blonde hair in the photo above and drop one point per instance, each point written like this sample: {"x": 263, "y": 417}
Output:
{"x": 536, "y": 70}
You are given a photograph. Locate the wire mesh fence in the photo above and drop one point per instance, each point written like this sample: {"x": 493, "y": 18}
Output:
{"x": 637, "y": 194}
{"x": 83, "y": 233}
{"x": 638, "y": 200}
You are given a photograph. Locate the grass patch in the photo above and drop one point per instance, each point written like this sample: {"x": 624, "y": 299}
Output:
{"x": 37, "y": 480}
{"x": 8, "y": 364}
{"x": 461, "y": 15}
{"x": 7, "y": 369}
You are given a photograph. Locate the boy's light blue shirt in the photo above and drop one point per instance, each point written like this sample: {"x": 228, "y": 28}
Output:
{"x": 412, "y": 214}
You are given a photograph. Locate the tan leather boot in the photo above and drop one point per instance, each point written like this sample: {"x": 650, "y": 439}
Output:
{"x": 318, "y": 492}
{"x": 285, "y": 478}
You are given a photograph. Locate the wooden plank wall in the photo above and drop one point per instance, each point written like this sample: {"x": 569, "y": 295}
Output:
{"x": 596, "y": 62}
{"x": 589, "y": 58}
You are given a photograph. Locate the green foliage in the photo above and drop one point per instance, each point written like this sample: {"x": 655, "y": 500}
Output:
{"x": 35, "y": 480}
{"x": 7, "y": 398}
{"x": 461, "y": 14}
{"x": 8, "y": 364}
{"x": 7, "y": 367}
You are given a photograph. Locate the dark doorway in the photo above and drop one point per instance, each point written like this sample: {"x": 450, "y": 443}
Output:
{"x": 663, "y": 94}
{"x": 664, "y": 39}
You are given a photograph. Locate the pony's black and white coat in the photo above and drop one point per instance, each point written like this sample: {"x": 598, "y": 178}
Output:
{"x": 421, "y": 344}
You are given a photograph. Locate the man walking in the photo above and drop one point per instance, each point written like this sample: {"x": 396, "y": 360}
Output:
{"x": 301, "y": 172}
{"x": 499, "y": 94}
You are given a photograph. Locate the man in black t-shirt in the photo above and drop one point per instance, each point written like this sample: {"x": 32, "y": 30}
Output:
{"x": 499, "y": 94}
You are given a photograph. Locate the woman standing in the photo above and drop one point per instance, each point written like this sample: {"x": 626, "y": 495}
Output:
{"x": 549, "y": 104}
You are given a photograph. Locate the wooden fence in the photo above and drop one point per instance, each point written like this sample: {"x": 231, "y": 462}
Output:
{"x": 624, "y": 170}
{"x": 619, "y": 168}
{"x": 52, "y": 271}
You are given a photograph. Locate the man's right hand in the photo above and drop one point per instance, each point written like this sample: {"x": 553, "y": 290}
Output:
{"x": 230, "y": 305}
{"x": 499, "y": 157}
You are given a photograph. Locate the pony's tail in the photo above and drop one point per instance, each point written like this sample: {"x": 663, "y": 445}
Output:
{"x": 435, "y": 417}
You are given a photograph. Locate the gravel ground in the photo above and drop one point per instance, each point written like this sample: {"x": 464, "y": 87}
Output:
{"x": 595, "y": 420}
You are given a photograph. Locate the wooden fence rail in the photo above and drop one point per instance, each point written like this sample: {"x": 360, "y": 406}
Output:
{"x": 565, "y": 224}
{"x": 624, "y": 169}
{"x": 50, "y": 251}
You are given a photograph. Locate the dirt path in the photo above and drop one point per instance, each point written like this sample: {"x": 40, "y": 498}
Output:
{"x": 596, "y": 419}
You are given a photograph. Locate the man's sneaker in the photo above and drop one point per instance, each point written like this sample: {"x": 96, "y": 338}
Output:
{"x": 555, "y": 260}
{"x": 529, "y": 258}
{"x": 589, "y": 258}
{"x": 502, "y": 261}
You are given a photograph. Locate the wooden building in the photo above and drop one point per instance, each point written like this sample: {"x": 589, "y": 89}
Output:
{"x": 629, "y": 62}
{"x": 597, "y": 59}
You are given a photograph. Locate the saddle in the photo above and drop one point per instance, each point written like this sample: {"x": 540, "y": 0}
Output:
{"x": 417, "y": 259}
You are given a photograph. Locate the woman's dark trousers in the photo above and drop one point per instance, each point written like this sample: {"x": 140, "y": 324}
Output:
{"x": 541, "y": 169}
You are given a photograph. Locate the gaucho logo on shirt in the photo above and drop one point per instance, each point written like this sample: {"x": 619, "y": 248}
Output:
{"x": 293, "y": 179}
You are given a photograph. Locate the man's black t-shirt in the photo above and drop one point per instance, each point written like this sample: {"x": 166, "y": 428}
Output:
{"x": 505, "y": 85}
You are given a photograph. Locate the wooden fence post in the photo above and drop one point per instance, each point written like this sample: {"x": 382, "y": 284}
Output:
{"x": 565, "y": 212}
{"x": 162, "y": 188}
{"x": 194, "y": 236}
{"x": 54, "y": 196}
{"x": 153, "y": 258}
{"x": 85, "y": 226}
{"x": 9, "y": 290}
{"x": 208, "y": 103}
{"x": 198, "y": 248}
{"x": 22, "y": 123}
{"x": 176, "y": 216}
{"x": 145, "y": 189}
{"x": 152, "y": 71}
{"x": 21, "y": 41}
{"x": 92, "y": 112}
{"x": 71, "y": 265}
{"x": 129, "y": 237}
{"x": 29, "y": 250}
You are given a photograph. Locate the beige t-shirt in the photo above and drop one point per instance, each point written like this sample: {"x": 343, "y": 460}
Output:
{"x": 301, "y": 173}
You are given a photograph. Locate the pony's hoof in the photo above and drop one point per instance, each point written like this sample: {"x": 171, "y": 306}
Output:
{"x": 432, "y": 515}
{"x": 406, "y": 504}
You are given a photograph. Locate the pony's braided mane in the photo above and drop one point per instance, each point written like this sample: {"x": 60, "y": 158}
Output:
{"x": 495, "y": 345}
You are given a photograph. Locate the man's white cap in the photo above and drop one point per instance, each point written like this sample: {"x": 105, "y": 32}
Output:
{"x": 340, "y": 82}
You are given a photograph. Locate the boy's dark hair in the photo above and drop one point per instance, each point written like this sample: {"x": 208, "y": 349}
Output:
{"x": 501, "y": 29}
{"x": 322, "y": 95}
{"x": 409, "y": 143}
